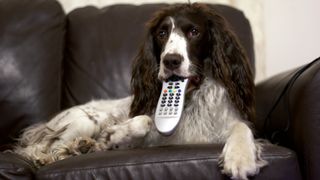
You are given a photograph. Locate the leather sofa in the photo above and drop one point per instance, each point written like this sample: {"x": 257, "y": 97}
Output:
{"x": 50, "y": 61}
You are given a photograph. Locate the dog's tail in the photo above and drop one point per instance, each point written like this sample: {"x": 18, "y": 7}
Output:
{"x": 35, "y": 140}
{"x": 38, "y": 133}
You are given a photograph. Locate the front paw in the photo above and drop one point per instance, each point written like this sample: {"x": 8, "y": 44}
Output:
{"x": 128, "y": 134}
{"x": 140, "y": 125}
{"x": 241, "y": 162}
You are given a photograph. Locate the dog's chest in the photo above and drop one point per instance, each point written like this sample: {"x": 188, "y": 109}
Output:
{"x": 207, "y": 118}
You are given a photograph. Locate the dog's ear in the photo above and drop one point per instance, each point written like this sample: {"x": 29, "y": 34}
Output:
{"x": 145, "y": 85}
{"x": 231, "y": 65}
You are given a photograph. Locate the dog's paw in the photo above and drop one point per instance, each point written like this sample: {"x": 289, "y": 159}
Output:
{"x": 136, "y": 127}
{"x": 241, "y": 155}
{"x": 140, "y": 126}
{"x": 85, "y": 145}
{"x": 80, "y": 145}
{"x": 239, "y": 167}
{"x": 241, "y": 162}
{"x": 45, "y": 160}
{"x": 126, "y": 135}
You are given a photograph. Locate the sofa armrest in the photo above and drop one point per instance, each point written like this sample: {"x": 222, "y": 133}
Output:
{"x": 295, "y": 120}
{"x": 13, "y": 166}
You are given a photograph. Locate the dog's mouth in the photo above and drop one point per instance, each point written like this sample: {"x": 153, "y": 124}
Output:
{"x": 194, "y": 81}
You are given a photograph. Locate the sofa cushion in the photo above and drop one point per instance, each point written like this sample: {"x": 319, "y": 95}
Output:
{"x": 170, "y": 162}
{"x": 31, "y": 52}
{"x": 101, "y": 44}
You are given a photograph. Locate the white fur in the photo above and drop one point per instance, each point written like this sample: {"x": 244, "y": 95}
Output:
{"x": 206, "y": 119}
{"x": 103, "y": 124}
{"x": 176, "y": 44}
{"x": 209, "y": 117}
{"x": 240, "y": 154}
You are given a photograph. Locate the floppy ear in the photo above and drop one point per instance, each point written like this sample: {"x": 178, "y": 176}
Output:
{"x": 231, "y": 66}
{"x": 145, "y": 85}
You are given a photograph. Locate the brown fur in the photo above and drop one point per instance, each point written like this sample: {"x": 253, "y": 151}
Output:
{"x": 230, "y": 64}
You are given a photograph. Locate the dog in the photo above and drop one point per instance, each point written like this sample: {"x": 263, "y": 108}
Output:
{"x": 187, "y": 40}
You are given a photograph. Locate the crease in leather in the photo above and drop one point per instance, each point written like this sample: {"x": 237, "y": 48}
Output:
{"x": 214, "y": 157}
{"x": 128, "y": 165}
{"x": 88, "y": 74}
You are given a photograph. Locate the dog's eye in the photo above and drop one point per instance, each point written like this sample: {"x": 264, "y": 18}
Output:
{"x": 193, "y": 32}
{"x": 162, "y": 34}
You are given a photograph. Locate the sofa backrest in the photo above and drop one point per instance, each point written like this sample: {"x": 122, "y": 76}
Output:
{"x": 50, "y": 61}
{"x": 31, "y": 53}
{"x": 101, "y": 43}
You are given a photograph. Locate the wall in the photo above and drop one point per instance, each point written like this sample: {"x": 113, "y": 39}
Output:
{"x": 292, "y": 33}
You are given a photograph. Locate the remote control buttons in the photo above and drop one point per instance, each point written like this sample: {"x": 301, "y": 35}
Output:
{"x": 171, "y": 99}
{"x": 160, "y": 111}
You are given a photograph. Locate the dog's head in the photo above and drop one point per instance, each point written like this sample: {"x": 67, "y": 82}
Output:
{"x": 180, "y": 41}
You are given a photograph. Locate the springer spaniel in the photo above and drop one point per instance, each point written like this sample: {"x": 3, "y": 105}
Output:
{"x": 190, "y": 41}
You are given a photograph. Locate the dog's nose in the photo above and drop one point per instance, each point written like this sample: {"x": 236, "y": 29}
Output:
{"x": 172, "y": 61}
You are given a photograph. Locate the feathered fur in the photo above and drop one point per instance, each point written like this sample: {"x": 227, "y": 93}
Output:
{"x": 218, "y": 108}
{"x": 230, "y": 64}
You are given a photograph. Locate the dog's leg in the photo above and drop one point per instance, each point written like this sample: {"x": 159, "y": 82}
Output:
{"x": 241, "y": 156}
{"x": 119, "y": 136}
{"x": 80, "y": 145}
{"x": 72, "y": 131}
{"x": 127, "y": 134}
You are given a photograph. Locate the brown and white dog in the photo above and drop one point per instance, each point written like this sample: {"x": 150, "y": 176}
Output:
{"x": 190, "y": 41}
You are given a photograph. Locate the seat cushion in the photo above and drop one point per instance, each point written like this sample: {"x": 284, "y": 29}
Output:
{"x": 171, "y": 162}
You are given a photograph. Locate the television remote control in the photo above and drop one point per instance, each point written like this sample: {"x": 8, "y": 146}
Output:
{"x": 170, "y": 105}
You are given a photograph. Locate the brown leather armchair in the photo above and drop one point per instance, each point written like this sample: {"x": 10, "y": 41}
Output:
{"x": 50, "y": 61}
